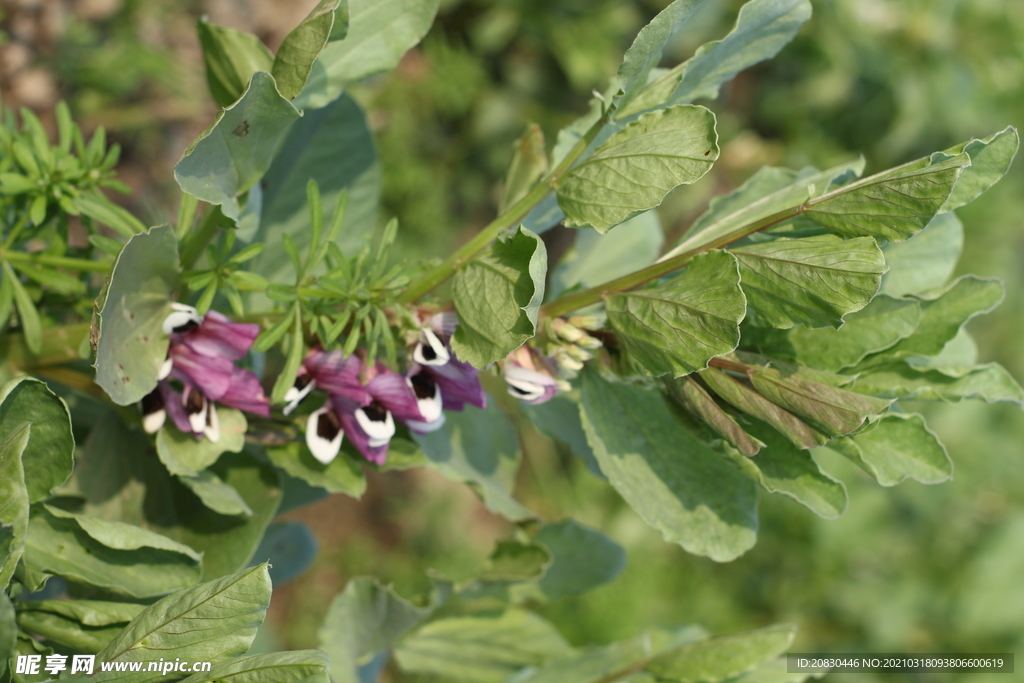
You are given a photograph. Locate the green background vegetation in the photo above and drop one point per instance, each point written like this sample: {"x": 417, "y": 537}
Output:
{"x": 913, "y": 568}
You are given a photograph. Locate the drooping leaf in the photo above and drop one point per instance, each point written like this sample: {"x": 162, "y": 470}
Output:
{"x": 379, "y": 33}
{"x": 183, "y": 454}
{"x": 236, "y": 150}
{"x": 296, "y": 666}
{"x": 215, "y": 494}
{"x": 582, "y": 559}
{"x": 783, "y": 468}
{"x": 86, "y": 612}
{"x": 926, "y": 260}
{"x": 990, "y": 160}
{"x": 893, "y": 205}
{"x": 528, "y": 166}
{"x": 833, "y": 410}
{"x": 762, "y": 29}
{"x": 119, "y": 558}
{"x": 693, "y": 397}
{"x": 210, "y": 622}
{"x": 638, "y": 165}
{"x": 645, "y": 52}
{"x": 289, "y": 548}
{"x": 231, "y": 58}
{"x": 897, "y": 447}
{"x": 677, "y": 327}
{"x": 334, "y": 147}
{"x": 876, "y": 327}
{"x": 675, "y": 482}
{"x": 13, "y": 500}
{"x": 813, "y": 281}
{"x": 596, "y": 258}
{"x": 498, "y": 296}
{"x": 480, "y": 649}
{"x": 743, "y": 398}
{"x": 300, "y": 48}
{"x": 479, "y": 447}
{"x": 102, "y": 210}
{"x": 721, "y": 657}
{"x": 943, "y": 314}
{"x": 364, "y": 619}
{"x": 58, "y": 628}
{"x": 49, "y": 457}
{"x": 990, "y": 383}
{"x": 131, "y": 345}
{"x": 341, "y": 475}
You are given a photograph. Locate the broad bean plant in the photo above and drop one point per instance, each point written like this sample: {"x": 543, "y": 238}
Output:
{"x": 171, "y": 389}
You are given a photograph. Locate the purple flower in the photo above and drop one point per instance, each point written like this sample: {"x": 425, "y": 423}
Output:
{"x": 434, "y": 358}
{"x": 202, "y": 356}
{"x": 527, "y": 376}
{"x": 364, "y": 403}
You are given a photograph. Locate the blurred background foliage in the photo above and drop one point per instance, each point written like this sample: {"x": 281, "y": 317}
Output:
{"x": 913, "y": 568}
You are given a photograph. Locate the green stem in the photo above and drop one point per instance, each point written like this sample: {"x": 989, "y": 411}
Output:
{"x": 186, "y": 215}
{"x": 16, "y": 230}
{"x": 57, "y": 261}
{"x": 588, "y": 297}
{"x": 513, "y": 215}
{"x": 197, "y": 241}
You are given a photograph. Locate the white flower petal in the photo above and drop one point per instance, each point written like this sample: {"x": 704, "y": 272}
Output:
{"x": 295, "y": 395}
{"x": 212, "y": 428}
{"x": 180, "y": 315}
{"x": 165, "y": 369}
{"x": 426, "y": 427}
{"x": 154, "y": 421}
{"x": 324, "y": 435}
{"x": 431, "y": 351}
{"x": 379, "y": 431}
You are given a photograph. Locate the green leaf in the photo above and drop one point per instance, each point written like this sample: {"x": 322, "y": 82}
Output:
{"x": 582, "y": 559}
{"x": 49, "y": 457}
{"x": 559, "y": 418}
{"x": 783, "y": 468}
{"x": 68, "y": 632}
{"x": 528, "y": 166}
{"x": 876, "y": 327}
{"x": 86, "y": 612}
{"x": 210, "y": 622}
{"x": 289, "y": 547}
{"x": 480, "y": 649}
{"x": 898, "y": 447}
{"x": 215, "y": 494}
{"x": 722, "y": 657}
{"x": 990, "y": 383}
{"x": 943, "y": 314}
{"x": 300, "y": 48}
{"x": 595, "y": 258}
{"x": 55, "y": 280}
{"x": 15, "y": 183}
{"x": 362, "y": 620}
{"x": 341, "y": 475}
{"x": 28, "y": 316}
{"x": 892, "y": 205}
{"x": 8, "y": 632}
{"x": 515, "y": 561}
{"x": 762, "y": 29}
{"x": 185, "y": 455}
{"x": 675, "y": 482}
{"x": 498, "y": 296}
{"x": 479, "y": 447}
{"x": 131, "y": 344}
{"x": 692, "y": 396}
{"x": 296, "y": 352}
{"x": 119, "y": 558}
{"x": 990, "y": 160}
{"x": 102, "y": 210}
{"x": 926, "y": 260}
{"x": 638, "y": 165}
{"x": 13, "y": 500}
{"x": 334, "y": 147}
{"x": 233, "y": 154}
{"x": 645, "y": 52}
{"x": 766, "y": 193}
{"x": 231, "y": 58}
{"x": 677, "y": 327}
{"x": 833, "y": 410}
{"x": 297, "y": 666}
{"x": 814, "y": 280}
{"x": 379, "y": 33}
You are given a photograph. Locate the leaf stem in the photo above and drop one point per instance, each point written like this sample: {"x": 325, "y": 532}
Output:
{"x": 513, "y": 215}
{"x": 197, "y": 240}
{"x": 588, "y": 297}
{"x": 57, "y": 261}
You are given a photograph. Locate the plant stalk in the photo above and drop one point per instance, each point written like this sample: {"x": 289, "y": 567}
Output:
{"x": 513, "y": 215}
{"x": 57, "y": 261}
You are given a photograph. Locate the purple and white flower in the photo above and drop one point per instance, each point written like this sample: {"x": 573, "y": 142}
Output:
{"x": 202, "y": 356}
{"x": 527, "y": 376}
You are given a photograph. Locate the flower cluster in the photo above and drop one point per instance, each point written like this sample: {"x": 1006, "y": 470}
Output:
{"x": 202, "y": 356}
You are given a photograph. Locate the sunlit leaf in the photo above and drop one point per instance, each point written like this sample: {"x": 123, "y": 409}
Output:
{"x": 897, "y": 447}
